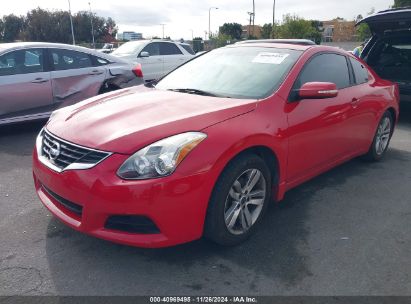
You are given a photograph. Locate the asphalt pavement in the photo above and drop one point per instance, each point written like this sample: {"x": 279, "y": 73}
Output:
{"x": 346, "y": 232}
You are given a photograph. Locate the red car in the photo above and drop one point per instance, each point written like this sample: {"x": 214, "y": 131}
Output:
{"x": 205, "y": 150}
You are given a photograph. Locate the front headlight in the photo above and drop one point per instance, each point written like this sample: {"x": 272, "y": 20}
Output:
{"x": 160, "y": 158}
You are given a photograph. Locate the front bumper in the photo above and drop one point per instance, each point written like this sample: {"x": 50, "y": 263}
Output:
{"x": 175, "y": 204}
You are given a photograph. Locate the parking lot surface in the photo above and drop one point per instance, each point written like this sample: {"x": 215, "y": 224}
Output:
{"x": 346, "y": 232}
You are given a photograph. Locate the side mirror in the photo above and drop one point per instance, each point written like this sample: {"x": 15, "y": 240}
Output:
{"x": 144, "y": 54}
{"x": 318, "y": 90}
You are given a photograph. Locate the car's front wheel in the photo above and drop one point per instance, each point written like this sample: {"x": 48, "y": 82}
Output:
{"x": 239, "y": 200}
{"x": 382, "y": 138}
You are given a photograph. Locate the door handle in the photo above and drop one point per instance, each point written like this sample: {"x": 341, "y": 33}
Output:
{"x": 96, "y": 72}
{"x": 39, "y": 80}
{"x": 354, "y": 102}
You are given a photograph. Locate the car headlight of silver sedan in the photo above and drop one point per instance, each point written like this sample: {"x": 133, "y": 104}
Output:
{"x": 160, "y": 158}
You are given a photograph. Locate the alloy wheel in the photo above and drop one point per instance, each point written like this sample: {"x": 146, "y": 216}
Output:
{"x": 245, "y": 201}
{"x": 383, "y": 135}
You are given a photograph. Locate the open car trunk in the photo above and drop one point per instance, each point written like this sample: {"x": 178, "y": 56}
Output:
{"x": 390, "y": 57}
{"x": 389, "y": 50}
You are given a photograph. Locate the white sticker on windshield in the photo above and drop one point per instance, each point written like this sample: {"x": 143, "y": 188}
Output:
{"x": 271, "y": 58}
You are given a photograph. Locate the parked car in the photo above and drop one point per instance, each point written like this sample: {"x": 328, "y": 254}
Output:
{"x": 389, "y": 50}
{"x": 157, "y": 57}
{"x": 206, "y": 150}
{"x": 37, "y": 78}
{"x": 107, "y": 48}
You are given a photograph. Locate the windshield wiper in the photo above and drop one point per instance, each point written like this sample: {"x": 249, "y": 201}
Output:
{"x": 196, "y": 92}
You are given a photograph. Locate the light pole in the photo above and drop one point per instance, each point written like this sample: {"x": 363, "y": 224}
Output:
{"x": 71, "y": 23}
{"x": 163, "y": 24}
{"x": 192, "y": 34}
{"x": 209, "y": 20}
{"x": 273, "y": 20}
{"x": 92, "y": 26}
{"x": 253, "y": 15}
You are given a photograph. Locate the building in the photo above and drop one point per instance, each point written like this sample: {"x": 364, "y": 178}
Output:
{"x": 130, "y": 36}
{"x": 250, "y": 30}
{"x": 339, "y": 30}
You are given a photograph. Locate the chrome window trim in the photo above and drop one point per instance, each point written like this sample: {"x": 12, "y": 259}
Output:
{"x": 74, "y": 166}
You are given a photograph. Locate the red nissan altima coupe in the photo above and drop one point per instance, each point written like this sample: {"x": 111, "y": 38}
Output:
{"x": 205, "y": 150}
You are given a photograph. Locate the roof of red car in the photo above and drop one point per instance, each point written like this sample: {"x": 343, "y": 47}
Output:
{"x": 290, "y": 46}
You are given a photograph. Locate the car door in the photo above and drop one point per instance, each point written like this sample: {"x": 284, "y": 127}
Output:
{"x": 25, "y": 86}
{"x": 74, "y": 78}
{"x": 365, "y": 107}
{"x": 172, "y": 56}
{"x": 152, "y": 65}
{"x": 318, "y": 127}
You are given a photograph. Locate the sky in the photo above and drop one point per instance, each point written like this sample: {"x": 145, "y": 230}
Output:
{"x": 184, "y": 18}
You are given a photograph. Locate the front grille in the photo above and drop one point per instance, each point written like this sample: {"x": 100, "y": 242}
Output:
{"x": 62, "y": 154}
{"x": 77, "y": 209}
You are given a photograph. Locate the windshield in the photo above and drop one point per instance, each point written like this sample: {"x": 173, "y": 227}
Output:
{"x": 129, "y": 48}
{"x": 237, "y": 72}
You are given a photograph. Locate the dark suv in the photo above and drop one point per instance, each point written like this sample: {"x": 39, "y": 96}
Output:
{"x": 389, "y": 50}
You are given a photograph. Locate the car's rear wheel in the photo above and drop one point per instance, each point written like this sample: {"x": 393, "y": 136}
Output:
{"x": 382, "y": 138}
{"x": 238, "y": 201}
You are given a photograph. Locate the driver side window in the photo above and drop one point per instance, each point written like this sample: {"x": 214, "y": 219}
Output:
{"x": 152, "y": 48}
{"x": 326, "y": 68}
{"x": 323, "y": 68}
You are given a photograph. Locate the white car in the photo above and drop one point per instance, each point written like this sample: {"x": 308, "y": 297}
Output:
{"x": 157, "y": 57}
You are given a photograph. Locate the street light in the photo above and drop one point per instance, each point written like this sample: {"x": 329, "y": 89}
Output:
{"x": 273, "y": 20}
{"x": 163, "y": 24}
{"x": 92, "y": 26}
{"x": 209, "y": 20}
{"x": 71, "y": 22}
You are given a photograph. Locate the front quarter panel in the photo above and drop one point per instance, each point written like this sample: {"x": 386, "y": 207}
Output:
{"x": 265, "y": 127}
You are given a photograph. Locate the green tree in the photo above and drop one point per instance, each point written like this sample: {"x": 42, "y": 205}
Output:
{"x": 234, "y": 30}
{"x": 12, "y": 27}
{"x": 1, "y": 29}
{"x": 54, "y": 26}
{"x": 266, "y": 31}
{"x": 297, "y": 28}
{"x": 401, "y": 3}
{"x": 363, "y": 32}
{"x": 221, "y": 40}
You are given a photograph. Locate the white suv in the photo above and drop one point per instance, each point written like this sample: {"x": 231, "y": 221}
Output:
{"x": 157, "y": 57}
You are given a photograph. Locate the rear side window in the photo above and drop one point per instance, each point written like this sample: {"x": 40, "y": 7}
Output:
{"x": 360, "y": 71}
{"x": 22, "y": 62}
{"x": 169, "y": 49}
{"x": 68, "y": 59}
{"x": 188, "y": 49}
{"x": 152, "y": 48}
{"x": 98, "y": 61}
{"x": 326, "y": 68}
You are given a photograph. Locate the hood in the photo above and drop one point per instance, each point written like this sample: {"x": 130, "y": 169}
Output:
{"x": 389, "y": 20}
{"x": 126, "y": 120}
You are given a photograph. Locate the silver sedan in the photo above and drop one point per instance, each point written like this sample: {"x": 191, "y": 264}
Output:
{"x": 38, "y": 78}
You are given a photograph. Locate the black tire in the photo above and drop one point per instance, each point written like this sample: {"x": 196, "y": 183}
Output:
{"x": 215, "y": 225}
{"x": 373, "y": 153}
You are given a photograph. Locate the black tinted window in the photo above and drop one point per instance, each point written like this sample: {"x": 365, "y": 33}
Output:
{"x": 326, "y": 68}
{"x": 152, "y": 48}
{"x": 188, "y": 49}
{"x": 99, "y": 61}
{"x": 67, "y": 59}
{"x": 360, "y": 71}
{"x": 169, "y": 49}
{"x": 22, "y": 62}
